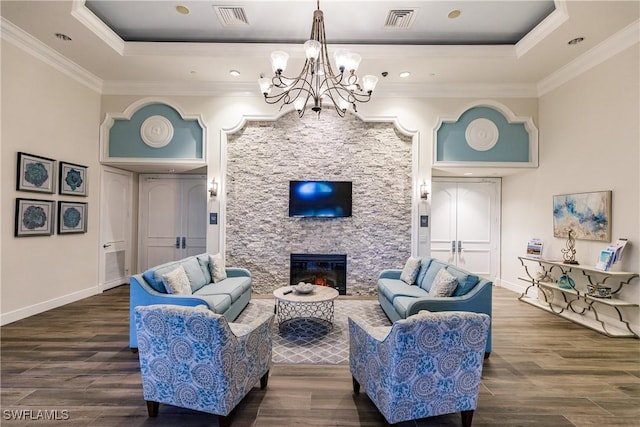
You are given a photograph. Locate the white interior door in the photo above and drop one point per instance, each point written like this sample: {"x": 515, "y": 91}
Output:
{"x": 115, "y": 227}
{"x": 194, "y": 216}
{"x": 444, "y": 221}
{"x": 466, "y": 224}
{"x": 172, "y": 221}
{"x": 159, "y": 223}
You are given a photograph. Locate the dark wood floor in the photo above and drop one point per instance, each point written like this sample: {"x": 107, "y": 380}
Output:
{"x": 543, "y": 371}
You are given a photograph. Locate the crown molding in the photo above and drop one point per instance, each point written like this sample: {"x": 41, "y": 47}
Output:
{"x": 96, "y": 26}
{"x": 391, "y": 90}
{"x": 615, "y": 44}
{"x": 551, "y": 23}
{"x": 29, "y": 44}
{"x": 173, "y": 88}
{"x": 261, "y": 50}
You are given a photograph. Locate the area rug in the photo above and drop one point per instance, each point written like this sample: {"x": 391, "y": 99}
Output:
{"x": 317, "y": 345}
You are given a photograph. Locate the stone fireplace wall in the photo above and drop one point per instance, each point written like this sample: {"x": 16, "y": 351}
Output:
{"x": 264, "y": 156}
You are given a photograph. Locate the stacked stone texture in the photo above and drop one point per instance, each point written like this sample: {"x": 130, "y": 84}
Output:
{"x": 264, "y": 156}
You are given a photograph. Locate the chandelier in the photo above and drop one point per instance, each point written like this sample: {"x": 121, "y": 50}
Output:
{"x": 317, "y": 83}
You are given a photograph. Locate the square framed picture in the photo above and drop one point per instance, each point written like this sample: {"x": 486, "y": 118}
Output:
{"x": 35, "y": 173}
{"x": 72, "y": 217}
{"x": 34, "y": 217}
{"x": 73, "y": 179}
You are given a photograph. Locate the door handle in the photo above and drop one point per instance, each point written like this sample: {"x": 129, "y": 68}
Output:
{"x": 184, "y": 242}
{"x": 459, "y": 245}
{"x": 177, "y": 242}
{"x": 106, "y": 245}
{"x": 453, "y": 246}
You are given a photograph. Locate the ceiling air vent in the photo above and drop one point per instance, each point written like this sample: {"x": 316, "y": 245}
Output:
{"x": 231, "y": 16}
{"x": 400, "y": 18}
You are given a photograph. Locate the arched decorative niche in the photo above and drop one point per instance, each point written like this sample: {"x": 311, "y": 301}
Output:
{"x": 260, "y": 155}
{"x": 485, "y": 134}
{"x": 153, "y": 132}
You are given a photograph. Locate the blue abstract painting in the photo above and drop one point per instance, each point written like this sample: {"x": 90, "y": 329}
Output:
{"x": 587, "y": 214}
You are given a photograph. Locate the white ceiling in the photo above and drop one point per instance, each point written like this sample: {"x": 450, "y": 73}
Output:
{"x": 436, "y": 49}
{"x": 353, "y": 22}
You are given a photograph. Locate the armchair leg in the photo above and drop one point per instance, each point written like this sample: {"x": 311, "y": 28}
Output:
{"x": 134, "y": 350}
{"x": 224, "y": 421}
{"x": 487, "y": 354}
{"x": 152, "y": 408}
{"x": 467, "y": 416}
{"x": 356, "y": 385}
{"x": 264, "y": 380}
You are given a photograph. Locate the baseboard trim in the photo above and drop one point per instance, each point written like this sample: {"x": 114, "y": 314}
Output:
{"x": 513, "y": 287}
{"x": 41, "y": 307}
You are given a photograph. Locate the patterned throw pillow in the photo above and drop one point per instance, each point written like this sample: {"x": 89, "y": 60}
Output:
{"x": 177, "y": 282}
{"x": 217, "y": 268}
{"x": 410, "y": 271}
{"x": 443, "y": 285}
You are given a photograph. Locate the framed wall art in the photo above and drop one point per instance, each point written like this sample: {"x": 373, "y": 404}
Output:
{"x": 72, "y": 217}
{"x": 34, "y": 217}
{"x": 587, "y": 214}
{"x": 73, "y": 179}
{"x": 35, "y": 173}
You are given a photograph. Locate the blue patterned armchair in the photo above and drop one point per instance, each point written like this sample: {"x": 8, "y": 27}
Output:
{"x": 192, "y": 358}
{"x": 425, "y": 365}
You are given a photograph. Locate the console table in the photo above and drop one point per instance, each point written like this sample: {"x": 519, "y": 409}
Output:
{"x": 604, "y": 315}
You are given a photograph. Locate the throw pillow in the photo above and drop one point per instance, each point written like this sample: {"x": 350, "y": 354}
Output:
{"x": 410, "y": 271}
{"x": 217, "y": 268}
{"x": 443, "y": 285}
{"x": 177, "y": 282}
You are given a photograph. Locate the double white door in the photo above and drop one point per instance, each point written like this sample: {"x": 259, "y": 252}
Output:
{"x": 465, "y": 224}
{"x": 172, "y": 220}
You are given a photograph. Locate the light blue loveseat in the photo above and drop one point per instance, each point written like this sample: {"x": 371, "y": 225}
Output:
{"x": 227, "y": 297}
{"x": 400, "y": 300}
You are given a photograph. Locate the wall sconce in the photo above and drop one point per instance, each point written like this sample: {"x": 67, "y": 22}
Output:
{"x": 213, "y": 190}
{"x": 424, "y": 193}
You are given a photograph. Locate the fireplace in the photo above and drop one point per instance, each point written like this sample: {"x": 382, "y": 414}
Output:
{"x": 320, "y": 269}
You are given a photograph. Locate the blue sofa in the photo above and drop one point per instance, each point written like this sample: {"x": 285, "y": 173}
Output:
{"x": 227, "y": 297}
{"x": 400, "y": 300}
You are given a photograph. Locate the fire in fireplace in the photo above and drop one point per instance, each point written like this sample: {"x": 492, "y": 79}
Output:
{"x": 320, "y": 269}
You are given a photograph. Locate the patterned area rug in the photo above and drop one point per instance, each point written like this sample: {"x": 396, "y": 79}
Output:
{"x": 308, "y": 342}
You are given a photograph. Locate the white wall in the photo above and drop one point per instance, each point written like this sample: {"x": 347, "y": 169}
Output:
{"x": 46, "y": 113}
{"x": 589, "y": 141}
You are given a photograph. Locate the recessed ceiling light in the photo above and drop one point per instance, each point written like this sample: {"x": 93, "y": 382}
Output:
{"x": 468, "y": 173}
{"x": 454, "y": 14}
{"x": 182, "y": 10}
{"x": 576, "y": 40}
{"x": 63, "y": 37}
{"x": 405, "y": 74}
{"x": 234, "y": 73}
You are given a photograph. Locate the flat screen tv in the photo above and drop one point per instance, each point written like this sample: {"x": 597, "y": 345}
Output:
{"x": 324, "y": 199}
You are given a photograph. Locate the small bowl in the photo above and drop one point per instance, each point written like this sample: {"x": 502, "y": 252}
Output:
{"x": 304, "y": 288}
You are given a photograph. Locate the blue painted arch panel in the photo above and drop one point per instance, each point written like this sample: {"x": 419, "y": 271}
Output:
{"x": 512, "y": 144}
{"x": 125, "y": 140}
